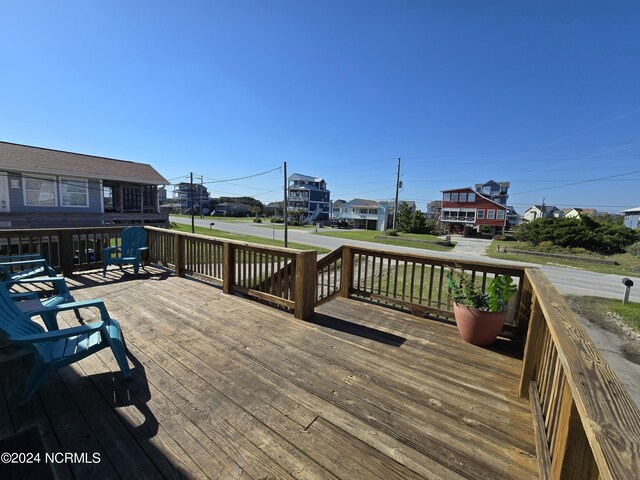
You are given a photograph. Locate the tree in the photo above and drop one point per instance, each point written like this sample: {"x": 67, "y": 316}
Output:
{"x": 418, "y": 222}
{"x": 256, "y": 210}
{"x": 403, "y": 221}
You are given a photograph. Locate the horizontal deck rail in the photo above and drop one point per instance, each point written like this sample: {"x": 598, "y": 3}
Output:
{"x": 586, "y": 423}
{"x": 272, "y": 274}
{"x": 416, "y": 283}
{"x": 65, "y": 249}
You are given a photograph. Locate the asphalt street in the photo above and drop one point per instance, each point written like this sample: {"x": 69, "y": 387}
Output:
{"x": 567, "y": 280}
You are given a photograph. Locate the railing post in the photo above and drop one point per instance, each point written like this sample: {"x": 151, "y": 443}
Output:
{"x": 179, "y": 256}
{"x": 66, "y": 252}
{"x": 572, "y": 456}
{"x": 525, "y": 302}
{"x": 533, "y": 347}
{"x": 228, "y": 267}
{"x": 346, "y": 274}
{"x": 306, "y": 278}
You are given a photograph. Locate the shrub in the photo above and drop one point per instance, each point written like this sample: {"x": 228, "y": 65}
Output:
{"x": 276, "y": 220}
{"x": 583, "y": 232}
{"x": 294, "y": 223}
{"x": 257, "y": 220}
{"x": 634, "y": 249}
{"x": 391, "y": 232}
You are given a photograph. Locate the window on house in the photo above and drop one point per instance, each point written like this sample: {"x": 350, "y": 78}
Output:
{"x": 500, "y": 215}
{"x": 39, "y": 191}
{"x": 454, "y": 197}
{"x": 446, "y": 197}
{"x": 481, "y": 214}
{"x": 491, "y": 214}
{"x": 463, "y": 197}
{"x": 471, "y": 197}
{"x": 74, "y": 192}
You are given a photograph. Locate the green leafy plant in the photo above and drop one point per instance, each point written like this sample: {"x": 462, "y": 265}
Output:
{"x": 465, "y": 293}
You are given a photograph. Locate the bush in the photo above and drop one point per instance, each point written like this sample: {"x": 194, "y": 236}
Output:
{"x": 257, "y": 220}
{"x": 634, "y": 249}
{"x": 583, "y": 232}
{"x": 391, "y": 232}
{"x": 276, "y": 220}
{"x": 294, "y": 223}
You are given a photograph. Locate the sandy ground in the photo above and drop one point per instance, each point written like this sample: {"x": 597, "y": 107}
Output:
{"x": 620, "y": 348}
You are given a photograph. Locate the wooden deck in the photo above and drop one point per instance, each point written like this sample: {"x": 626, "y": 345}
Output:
{"x": 225, "y": 387}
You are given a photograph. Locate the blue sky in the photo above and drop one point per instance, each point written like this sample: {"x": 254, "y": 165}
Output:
{"x": 542, "y": 94}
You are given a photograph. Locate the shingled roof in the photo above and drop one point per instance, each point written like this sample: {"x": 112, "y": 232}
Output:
{"x": 26, "y": 159}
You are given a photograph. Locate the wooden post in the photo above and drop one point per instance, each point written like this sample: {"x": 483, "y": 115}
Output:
{"x": 178, "y": 255}
{"x": 533, "y": 347}
{"x": 228, "y": 267}
{"x": 306, "y": 278}
{"x": 66, "y": 252}
{"x": 572, "y": 456}
{"x": 346, "y": 274}
{"x": 525, "y": 302}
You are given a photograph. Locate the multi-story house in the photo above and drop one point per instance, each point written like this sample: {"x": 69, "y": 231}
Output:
{"x": 184, "y": 197}
{"x": 542, "y": 211}
{"x": 464, "y": 209}
{"x": 365, "y": 214}
{"x": 433, "y": 210}
{"x": 42, "y": 188}
{"x": 632, "y": 217}
{"x": 335, "y": 208}
{"x": 310, "y": 197}
{"x": 496, "y": 191}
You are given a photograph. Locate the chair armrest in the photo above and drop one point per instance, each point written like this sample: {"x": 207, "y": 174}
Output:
{"x": 57, "y": 334}
{"x": 97, "y": 303}
{"x": 24, "y": 262}
{"x": 109, "y": 250}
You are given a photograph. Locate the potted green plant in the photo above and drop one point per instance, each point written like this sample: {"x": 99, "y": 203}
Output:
{"x": 479, "y": 315}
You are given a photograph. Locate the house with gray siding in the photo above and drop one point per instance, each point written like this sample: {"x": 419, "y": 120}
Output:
{"x": 632, "y": 217}
{"x": 44, "y": 188}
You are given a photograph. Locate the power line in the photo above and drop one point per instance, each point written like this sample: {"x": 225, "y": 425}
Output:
{"x": 576, "y": 183}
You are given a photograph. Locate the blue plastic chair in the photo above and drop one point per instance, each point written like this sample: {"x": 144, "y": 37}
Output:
{"x": 132, "y": 244}
{"x": 57, "y": 348}
{"x": 18, "y": 267}
{"x": 59, "y": 296}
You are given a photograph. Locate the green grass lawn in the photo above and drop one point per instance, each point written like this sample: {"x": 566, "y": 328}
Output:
{"x": 596, "y": 310}
{"x": 368, "y": 236}
{"x": 628, "y": 264}
{"x": 181, "y": 227}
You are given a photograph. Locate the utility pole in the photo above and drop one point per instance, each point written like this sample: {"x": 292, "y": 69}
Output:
{"x": 286, "y": 206}
{"x": 201, "y": 193}
{"x": 193, "y": 223}
{"x": 395, "y": 212}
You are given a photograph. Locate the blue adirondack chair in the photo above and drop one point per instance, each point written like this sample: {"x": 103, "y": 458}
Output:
{"x": 57, "y": 348}
{"x": 132, "y": 244}
{"x": 18, "y": 267}
{"x": 60, "y": 296}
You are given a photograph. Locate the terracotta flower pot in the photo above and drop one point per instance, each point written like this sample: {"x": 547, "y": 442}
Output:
{"x": 478, "y": 327}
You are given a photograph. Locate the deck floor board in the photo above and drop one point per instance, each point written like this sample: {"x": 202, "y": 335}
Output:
{"x": 225, "y": 387}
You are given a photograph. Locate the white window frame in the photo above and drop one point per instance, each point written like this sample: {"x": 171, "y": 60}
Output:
{"x": 62, "y": 182}
{"x": 446, "y": 197}
{"x": 471, "y": 197}
{"x": 491, "y": 214}
{"x": 454, "y": 197}
{"x": 463, "y": 196}
{"x": 500, "y": 215}
{"x": 480, "y": 214}
{"x": 25, "y": 178}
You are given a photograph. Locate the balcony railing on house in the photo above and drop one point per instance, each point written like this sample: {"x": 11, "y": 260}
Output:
{"x": 586, "y": 424}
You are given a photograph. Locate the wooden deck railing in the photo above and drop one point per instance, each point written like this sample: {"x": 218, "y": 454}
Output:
{"x": 273, "y": 274}
{"x": 586, "y": 424}
{"x": 417, "y": 283}
{"x": 65, "y": 249}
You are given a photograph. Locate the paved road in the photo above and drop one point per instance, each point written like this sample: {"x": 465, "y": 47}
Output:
{"x": 567, "y": 280}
